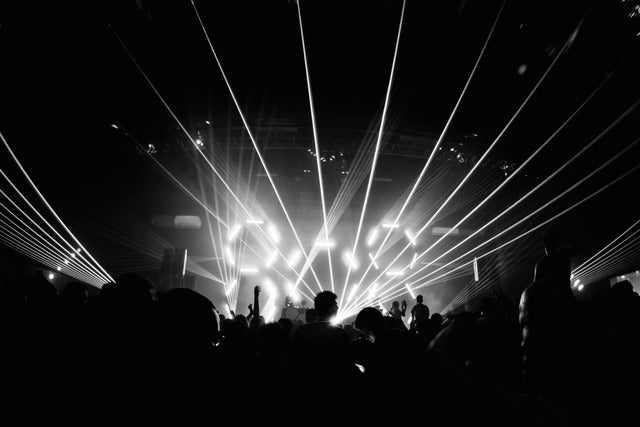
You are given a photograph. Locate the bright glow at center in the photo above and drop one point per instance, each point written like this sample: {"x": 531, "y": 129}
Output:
{"x": 271, "y": 259}
{"x": 350, "y": 260}
{"x": 273, "y": 233}
{"x": 394, "y": 273}
{"x": 248, "y": 271}
{"x": 410, "y": 236}
{"x": 233, "y": 232}
{"x": 576, "y": 282}
{"x": 373, "y": 236}
{"x": 322, "y": 243}
{"x": 373, "y": 261}
{"x": 230, "y": 258}
{"x": 390, "y": 225}
{"x": 51, "y": 276}
{"x": 352, "y": 293}
{"x": 255, "y": 221}
{"x": 294, "y": 258}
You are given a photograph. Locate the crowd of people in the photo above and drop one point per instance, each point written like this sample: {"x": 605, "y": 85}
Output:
{"x": 548, "y": 361}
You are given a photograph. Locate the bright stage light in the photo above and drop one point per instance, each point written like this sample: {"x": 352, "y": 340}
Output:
{"x": 271, "y": 259}
{"x": 410, "y": 291}
{"x": 230, "y": 287}
{"x": 335, "y": 320}
{"x": 325, "y": 243}
{"x": 580, "y": 288}
{"x": 249, "y": 271}
{"x": 413, "y": 261}
{"x": 294, "y": 258}
{"x": 255, "y": 221}
{"x": 59, "y": 268}
{"x": 572, "y": 276}
{"x": 293, "y": 293}
{"x": 115, "y": 126}
{"x": 373, "y": 261}
{"x": 354, "y": 289}
{"x": 390, "y": 225}
{"x": 230, "y": 258}
{"x": 233, "y": 232}
{"x": 273, "y": 233}
{"x": 576, "y": 283}
{"x": 373, "y": 236}
{"x": 66, "y": 261}
{"x": 395, "y": 273}
{"x": 78, "y": 250}
{"x": 410, "y": 236}
{"x": 199, "y": 142}
{"x": 270, "y": 287}
{"x": 372, "y": 291}
{"x": 51, "y": 276}
{"x": 73, "y": 255}
{"x": 350, "y": 261}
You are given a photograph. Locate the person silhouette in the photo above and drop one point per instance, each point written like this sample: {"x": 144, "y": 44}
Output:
{"x": 419, "y": 313}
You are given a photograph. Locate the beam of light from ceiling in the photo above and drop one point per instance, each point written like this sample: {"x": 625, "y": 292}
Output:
{"x": 255, "y": 145}
{"x": 103, "y": 272}
{"x": 537, "y": 151}
{"x": 316, "y": 145}
{"x": 376, "y": 152}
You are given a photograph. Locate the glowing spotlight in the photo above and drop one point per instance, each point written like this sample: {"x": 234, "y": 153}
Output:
{"x": 350, "y": 260}
{"x": 354, "y": 289}
{"x": 78, "y": 250}
{"x": 207, "y": 122}
{"x": 234, "y": 232}
{"x": 410, "y": 236}
{"x": 293, "y": 293}
{"x": 373, "y": 261}
{"x": 413, "y": 261}
{"x": 230, "y": 258}
{"x": 73, "y": 255}
{"x": 395, "y": 273}
{"x": 272, "y": 314}
{"x": 115, "y": 126}
{"x": 255, "y": 221}
{"x": 199, "y": 143}
{"x": 66, "y": 261}
{"x": 390, "y": 225}
{"x": 249, "y": 271}
{"x": 580, "y": 288}
{"x": 230, "y": 287}
{"x": 572, "y": 276}
{"x": 59, "y": 268}
{"x": 373, "y": 236}
{"x": 325, "y": 243}
{"x": 51, "y": 276}
{"x": 271, "y": 259}
{"x": 294, "y": 258}
{"x": 576, "y": 283}
{"x": 273, "y": 233}
{"x": 271, "y": 287}
{"x": 335, "y": 321}
{"x": 410, "y": 291}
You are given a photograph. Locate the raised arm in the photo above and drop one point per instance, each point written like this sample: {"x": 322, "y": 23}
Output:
{"x": 256, "y": 301}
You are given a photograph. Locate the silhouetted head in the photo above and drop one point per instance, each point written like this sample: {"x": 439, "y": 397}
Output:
{"x": 134, "y": 290}
{"x": 436, "y": 319}
{"x": 370, "y": 320}
{"x": 419, "y": 299}
{"x": 190, "y": 318}
{"x": 395, "y": 304}
{"x": 326, "y": 305}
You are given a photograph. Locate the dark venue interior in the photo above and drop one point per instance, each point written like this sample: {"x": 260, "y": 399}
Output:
{"x": 420, "y": 211}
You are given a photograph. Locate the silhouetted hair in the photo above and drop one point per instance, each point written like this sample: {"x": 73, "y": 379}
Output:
{"x": 323, "y": 302}
{"x": 419, "y": 298}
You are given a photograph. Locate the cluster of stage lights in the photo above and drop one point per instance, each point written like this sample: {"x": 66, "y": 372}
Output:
{"x": 350, "y": 256}
{"x": 25, "y": 229}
